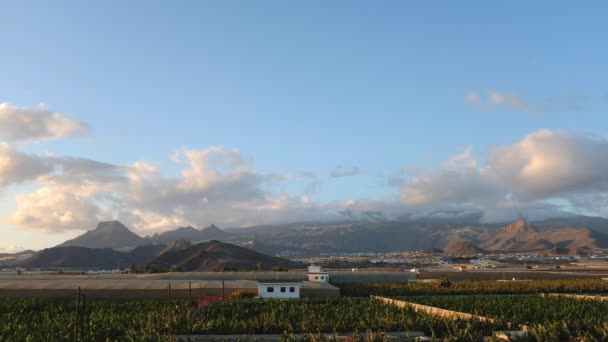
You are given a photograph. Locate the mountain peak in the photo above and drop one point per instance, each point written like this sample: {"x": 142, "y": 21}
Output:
{"x": 520, "y": 226}
{"x": 110, "y": 225}
{"x": 107, "y": 234}
{"x": 212, "y": 227}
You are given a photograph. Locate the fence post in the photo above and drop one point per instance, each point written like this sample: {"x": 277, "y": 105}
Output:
{"x": 76, "y": 321}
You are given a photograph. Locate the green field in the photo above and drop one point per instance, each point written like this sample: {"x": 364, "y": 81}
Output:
{"x": 474, "y": 287}
{"x": 563, "y": 316}
{"x": 547, "y": 318}
{"x": 154, "y": 320}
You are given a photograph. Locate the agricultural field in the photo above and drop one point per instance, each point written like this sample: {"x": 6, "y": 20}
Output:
{"x": 157, "y": 320}
{"x": 474, "y": 287}
{"x": 561, "y": 318}
{"x": 512, "y": 304}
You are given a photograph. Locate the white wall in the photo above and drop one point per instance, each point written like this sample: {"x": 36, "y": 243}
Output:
{"x": 263, "y": 290}
{"x": 320, "y": 277}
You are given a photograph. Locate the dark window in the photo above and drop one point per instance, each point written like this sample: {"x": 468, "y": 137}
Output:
{"x": 292, "y": 289}
{"x": 270, "y": 289}
{"x": 317, "y": 277}
{"x": 282, "y": 288}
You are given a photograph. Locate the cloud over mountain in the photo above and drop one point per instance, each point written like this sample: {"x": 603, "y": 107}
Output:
{"x": 545, "y": 165}
{"x": 546, "y": 172}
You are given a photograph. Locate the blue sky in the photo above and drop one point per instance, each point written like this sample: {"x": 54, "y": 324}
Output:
{"x": 302, "y": 88}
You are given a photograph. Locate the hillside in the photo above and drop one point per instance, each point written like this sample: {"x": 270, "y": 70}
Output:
{"x": 463, "y": 248}
{"x": 110, "y": 234}
{"x": 217, "y": 256}
{"x": 79, "y": 257}
{"x": 176, "y": 245}
{"x": 521, "y": 236}
{"x": 92, "y": 258}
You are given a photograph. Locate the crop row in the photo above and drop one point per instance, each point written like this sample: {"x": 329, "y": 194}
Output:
{"x": 474, "y": 287}
{"x": 570, "y": 317}
{"x": 155, "y": 320}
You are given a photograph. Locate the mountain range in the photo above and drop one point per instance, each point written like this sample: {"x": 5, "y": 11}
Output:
{"x": 111, "y": 243}
{"x": 114, "y": 234}
{"x": 217, "y": 256}
{"x": 212, "y": 255}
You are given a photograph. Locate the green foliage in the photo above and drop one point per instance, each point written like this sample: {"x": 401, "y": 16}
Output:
{"x": 342, "y": 315}
{"x": 53, "y": 320}
{"x": 158, "y": 320}
{"x": 548, "y": 318}
{"x": 474, "y": 287}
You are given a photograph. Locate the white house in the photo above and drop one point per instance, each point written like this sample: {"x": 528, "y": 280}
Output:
{"x": 276, "y": 289}
{"x": 317, "y": 273}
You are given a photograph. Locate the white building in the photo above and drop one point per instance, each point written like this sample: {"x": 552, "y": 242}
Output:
{"x": 317, "y": 273}
{"x": 483, "y": 262}
{"x": 275, "y": 289}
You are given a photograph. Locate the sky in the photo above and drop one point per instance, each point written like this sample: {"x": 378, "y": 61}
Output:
{"x": 240, "y": 113}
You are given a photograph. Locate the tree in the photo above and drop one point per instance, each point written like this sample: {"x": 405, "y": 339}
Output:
{"x": 132, "y": 269}
{"x": 147, "y": 268}
{"x": 259, "y": 266}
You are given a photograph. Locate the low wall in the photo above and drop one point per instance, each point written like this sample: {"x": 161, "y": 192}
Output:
{"x": 576, "y": 296}
{"x": 449, "y": 314}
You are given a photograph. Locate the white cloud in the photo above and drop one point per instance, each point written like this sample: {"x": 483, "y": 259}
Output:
{"x": 219, "y": 185}
{"x": 17, "y": 167}
{"x": 341, "y": 171}
{"x": 545, "y": 165}
{"x": 492, "y": 100}
{"x": 55, "y": 209}
{"x": 25, "y": 123}
{"x": 552, "y": 163}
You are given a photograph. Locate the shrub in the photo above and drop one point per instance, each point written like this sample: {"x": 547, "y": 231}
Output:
{"x": 240, "y": 294}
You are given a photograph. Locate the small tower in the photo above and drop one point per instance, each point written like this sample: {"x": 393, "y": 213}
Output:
{"x": 317, "y": 273}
